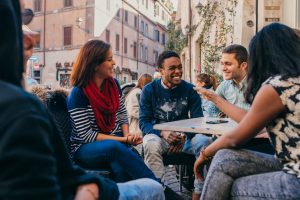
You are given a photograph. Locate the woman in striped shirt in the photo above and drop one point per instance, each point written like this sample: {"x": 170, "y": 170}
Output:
{"x": 98, "y": 116}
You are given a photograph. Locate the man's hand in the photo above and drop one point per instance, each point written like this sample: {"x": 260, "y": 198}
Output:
{"x": 175, "y": 139}
{"x": 172, "y": 137}
{"x": 177, "y": 147}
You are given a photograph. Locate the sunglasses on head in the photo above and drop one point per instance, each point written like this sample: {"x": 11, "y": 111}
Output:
{"x": 27, "y": 16}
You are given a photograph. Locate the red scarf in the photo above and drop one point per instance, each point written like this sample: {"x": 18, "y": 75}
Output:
{"x": 105, "y": 104}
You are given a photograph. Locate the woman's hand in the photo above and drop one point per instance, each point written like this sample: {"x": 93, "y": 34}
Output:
{"x": 87, "y": 192}
{"x": 134, "y": 139}
{"x": 199, "y": 167}
{"x": 206, "y": 94}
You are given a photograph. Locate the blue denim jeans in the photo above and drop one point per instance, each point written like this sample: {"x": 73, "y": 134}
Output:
{"x": 124, "y": 163}
{"x": 155, "y": 147}
{"x": 247, "y": 175}
{"x": 141, "y": 189}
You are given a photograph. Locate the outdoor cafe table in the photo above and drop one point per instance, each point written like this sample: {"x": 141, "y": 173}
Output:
{"x": 198, "y": 125}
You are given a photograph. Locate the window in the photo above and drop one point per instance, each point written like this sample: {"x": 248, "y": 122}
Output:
{"x": 38, "y": 44}
{"x": 134, "y": 49}
{"x": 135, "y": 21}
{"x": 126, "y": 16}
{"x": 156, "y": 10}
{"x": 147, "y": 4}
{"x": 117, "y": 42}
{"x": 37, "y": 7}
{"x": 107, "y": 4}
{"x": 155, "y": 56}
{"x": 117, "y": 75}
{"x": 107, "y": 36}
{"x": 146, "y": 29}
{"x": 125, "y": 45}
{"x": 163, "y": 39}
{"x": 142, "y": 26}
{"x": 36, "y": 73}
{"x": 146, "y": 54}
{"x": 67, "y": 3}
{"x": 68, "y": 36}
{"x": 141, "y": 52}
{"x": 118, "y": 14}
{"x": 156, "y": 35}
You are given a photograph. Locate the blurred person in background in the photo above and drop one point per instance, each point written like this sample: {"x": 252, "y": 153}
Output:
{"x": 209, "y": 82}
{"x": 156, "y": 75}
{"x": 132, "y": 103}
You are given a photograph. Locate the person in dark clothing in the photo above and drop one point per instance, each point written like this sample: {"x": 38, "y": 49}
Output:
{"x": 33, "y": 158}
{"x": 34, "y": 161}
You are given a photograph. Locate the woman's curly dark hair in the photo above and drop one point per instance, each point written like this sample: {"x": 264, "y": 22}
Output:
{"x": 275, "y": 50}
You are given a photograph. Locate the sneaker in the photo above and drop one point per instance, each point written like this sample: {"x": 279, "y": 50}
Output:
{"x": 171, "y": 195}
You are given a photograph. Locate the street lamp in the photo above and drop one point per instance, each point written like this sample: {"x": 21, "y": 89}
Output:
{"x": 79, "y": 22}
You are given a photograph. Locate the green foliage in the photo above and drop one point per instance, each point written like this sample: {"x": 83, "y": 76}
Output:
{"x": 216, "y": 27}
{"x": 176, "y": 41}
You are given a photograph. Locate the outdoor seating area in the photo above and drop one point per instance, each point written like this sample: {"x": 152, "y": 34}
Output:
{"x": 110, "y": 132}
{"x": 179, "y": 166}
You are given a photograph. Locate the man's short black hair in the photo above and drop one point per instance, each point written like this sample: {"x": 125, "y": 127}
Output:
{"x": 241, "y": 54}
{"x": 164, "y": 55}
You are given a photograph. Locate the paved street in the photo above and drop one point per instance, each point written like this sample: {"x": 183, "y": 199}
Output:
{"x": 173, "y": 183}
{"x": 171, "y": 179}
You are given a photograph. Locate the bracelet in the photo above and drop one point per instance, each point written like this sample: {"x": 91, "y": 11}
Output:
{"x": 95, "y": 196}
{"x": 206, "y": 158}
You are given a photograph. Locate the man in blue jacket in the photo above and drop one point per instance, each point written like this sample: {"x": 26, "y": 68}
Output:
{"x": 165, "y": 100}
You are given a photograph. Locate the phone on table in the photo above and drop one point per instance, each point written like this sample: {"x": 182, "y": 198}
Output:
{"x": 217, "y": 121}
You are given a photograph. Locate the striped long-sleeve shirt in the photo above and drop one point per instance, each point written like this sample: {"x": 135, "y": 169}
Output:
{"x": 83, "y": 123}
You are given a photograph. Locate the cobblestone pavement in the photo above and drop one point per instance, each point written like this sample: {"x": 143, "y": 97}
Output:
{"x": 173, "y": 183}
{"x": 171, "y": 179}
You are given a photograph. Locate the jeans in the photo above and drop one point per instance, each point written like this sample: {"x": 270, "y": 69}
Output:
{"x": 141, "y": 189}
{"x": 247, "y": 175}
{"x": 155, "y": 146}
{"x": 124, "y": 163}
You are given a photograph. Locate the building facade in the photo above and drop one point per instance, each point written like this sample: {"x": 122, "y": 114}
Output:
{"x": 211, "y": 25}
{"x": 136, "y": 30}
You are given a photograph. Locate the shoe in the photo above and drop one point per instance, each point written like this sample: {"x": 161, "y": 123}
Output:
{"x": 171, "y": 195}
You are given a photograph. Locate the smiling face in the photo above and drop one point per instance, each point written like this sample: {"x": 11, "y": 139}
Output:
{"x": 106, "y": 69}
{"x": 231, "y": 68}
{"x": 171, "y": 71}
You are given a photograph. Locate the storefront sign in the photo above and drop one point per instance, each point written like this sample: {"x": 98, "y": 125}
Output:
{"x": 272, "y": 11}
